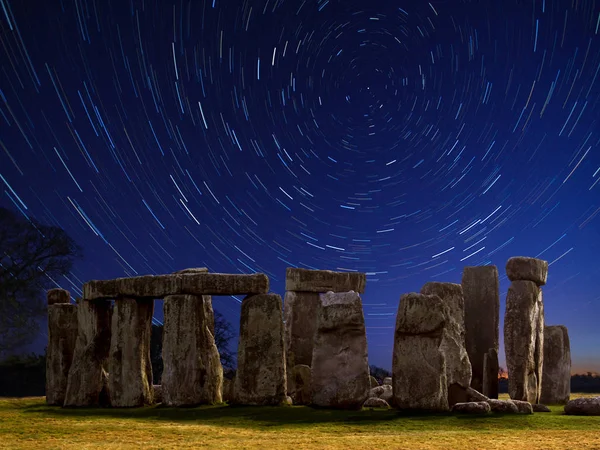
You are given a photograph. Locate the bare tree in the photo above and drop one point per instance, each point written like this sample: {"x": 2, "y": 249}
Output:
{"x": 31, "y": 256}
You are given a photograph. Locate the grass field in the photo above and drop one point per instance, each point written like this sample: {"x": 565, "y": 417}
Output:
{"x": 30, "y": 423}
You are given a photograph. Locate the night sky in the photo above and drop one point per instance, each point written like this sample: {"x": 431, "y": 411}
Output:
{"x": 404, "y": 139}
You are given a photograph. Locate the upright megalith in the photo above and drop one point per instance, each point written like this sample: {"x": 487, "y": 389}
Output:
{"x": 556, "y": 385}
{"x": 62, "y": 337}
{"x": 261, "y": 371}
{"x": 482, "y": 320}
{"x": 130, "y": 368}
{"x": 458, "y": 366}
{"x": 340, "y": 365}
{"x": 490, "y": 373}
{"x": 419, "y": 375}
{"x": 192, "y": 373}
{"x": 524, "y": 328}
{"x": 87, "y": 381}
{"x": 300, "y": 313}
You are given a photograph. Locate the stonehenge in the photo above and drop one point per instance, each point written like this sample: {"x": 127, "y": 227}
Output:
{"x": 556, "y": 386}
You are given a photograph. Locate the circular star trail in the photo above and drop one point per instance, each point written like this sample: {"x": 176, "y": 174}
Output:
{"x": 402, "y": 139}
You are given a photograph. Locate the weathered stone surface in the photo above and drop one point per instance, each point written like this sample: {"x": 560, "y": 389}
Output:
{"x": 62, "y": 337}
{"x": 556, "y": 385}
{"x": 523, "y": 407}
{"x": 159, "y": 286}
{"x": 54, "y": 296}
{"x": 419, "y": 364}
{"x": 206, "y": 299}
{"x": 192, "y": 373}
{"x": 87, "y": 376}
{"x": 374, "y": 402}
{"x": 583, "y": 407}
{"x": 129, "y": 365}
{"x": 373, "y": 382}
{"x": 300, "y": 384}
{"x": 261, "y": 372}
{"x": 228, "y": 392}
{"x": 475, "y": 396}
{"x": 324, "y": 281}
{"x": 300, "y": 315}
{"x": 384, "y": 391}
{"x": 523, "y": 340}
{"x": 538, "y": 407}
{"x": 472, "y": 408}
{"x": 503, "y": 406}
{"x": 192, "y": 270}
{"x": 157, "y": 393}
{"x": 490, "y": 373}
{"x": 287, "y": 401}
{"x": 340, "y": 367}
{"x": 482, "y": 317}
{"x": 528, "y": 269}
{"x": 387, "y": 380}
{"x": 458, "y": 366}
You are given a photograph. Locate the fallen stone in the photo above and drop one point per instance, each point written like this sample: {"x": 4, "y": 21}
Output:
{"x": 54, "y": 296}
{"x": 583, "y": 407}
{"x": 523, "y": 407}
{"x": 87, "y": 375}
{"x": 538, "y": 407}
{"x": 62, "y": 338}
{"x": 556, "y": 385}
{"x": 340, "y": 367}
{"x": 300, "y": 389}
{"x": 482, "y": 317}
{"x": 503, "y": 406}
{"x": 523, "y": 340}
{"x": 374, "y": 402}
{"x": 419, "y": 364}
{"x": 129, "y": 365}
{"x": 384, "y": 392}
{"x": 324, "y": 281}
{"x": 159, "y": 286}
{"x": 472, "y": 408}
{"x": 374, "y": 382}
{"x": 475, "y": 396}
{"x": 157, "y": 393}
{"x": 528, "y": 269}
{"x": 387, "y": 380}
{"x": 490, "y": 373}
{"x": 287, "y": 401}
{"x": 192, "y": 371}
{"x": 261, "y": 372}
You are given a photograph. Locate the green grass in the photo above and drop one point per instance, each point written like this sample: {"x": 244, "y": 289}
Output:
{"x": 30, "y": 423}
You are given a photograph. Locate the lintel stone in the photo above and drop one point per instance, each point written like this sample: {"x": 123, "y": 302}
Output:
{"x": 306, "y": 280}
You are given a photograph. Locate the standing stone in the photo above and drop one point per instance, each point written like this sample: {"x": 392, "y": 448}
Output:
{"x": 207, "y": 299}
{"x": 523, "y": 340}
{"x": 130, "y": 368}
{"x": 301, "y": 387}
{"x": 192, "y": 373}
{"x": 261, "y": 372}
{"x": 482, "y": 317}
{"x": 86, "y": 385}
{"x": 419, "y": 363}
{"x": 62, "y": 337}
{"x": 556, "y": 385}
{"x": 340, "y": 367}
{"x": 458, "y": 366}
{"x": 490, "y": 373}
{"x": 300, "y": 311}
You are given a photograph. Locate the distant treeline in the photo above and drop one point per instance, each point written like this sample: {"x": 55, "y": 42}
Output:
{"x": 25, "y": 376}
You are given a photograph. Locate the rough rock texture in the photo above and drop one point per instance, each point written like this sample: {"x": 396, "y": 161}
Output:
{"x": 261, "y": 372}
{"x": 472, "y": 408}
{"x": 340, "y": 367}
{"x": 87, "y": 375}
{"x": 475, "y": 396}
{"x": 207, "y": 299}
{"x": 192, "y": 373}
{"x": 458, "y": 366}
{"x": 523, "y": 340}
{"x": 374, "y": 402}
{"x": 583, "y": 407}
{"x": 387, "y": 380}
{"x": 538, "y": 407}
{"x": 490, "y": 373}
{"x": 300, "y": 384}
{"x": 287, "y": 401}
{"x": 227, "y": 395}
{"x": 192, "y": 271}
{"x": 523, "y": 407}
{"x": 528, "y": 269}
{"x": 556, "y": 386}
{"x": 300, "y": 313}
{"x": 384, "y": 391}
{"x": 324, "y": 281}
{"x": 159, "y": 286}
{"x": 129, "y": 365}
{"x": 482, "y": 317}
{"x": 157, "y": 393}
{"x": 54, "y": 296}
{"x": 373, "y": 382}
{"x": 503, "y": 406}
{"x": 419, "y": 364}
{"x": 62, "y": 337}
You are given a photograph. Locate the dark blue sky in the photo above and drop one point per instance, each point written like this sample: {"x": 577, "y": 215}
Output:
{"x": 402, "y": 139}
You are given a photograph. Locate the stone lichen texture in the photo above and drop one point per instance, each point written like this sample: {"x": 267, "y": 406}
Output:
{"x": 556, "y": 380}
{"x": 305, "y": 280}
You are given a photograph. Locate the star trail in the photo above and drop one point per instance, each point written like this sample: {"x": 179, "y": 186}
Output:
{"x": 402, "y": 139}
